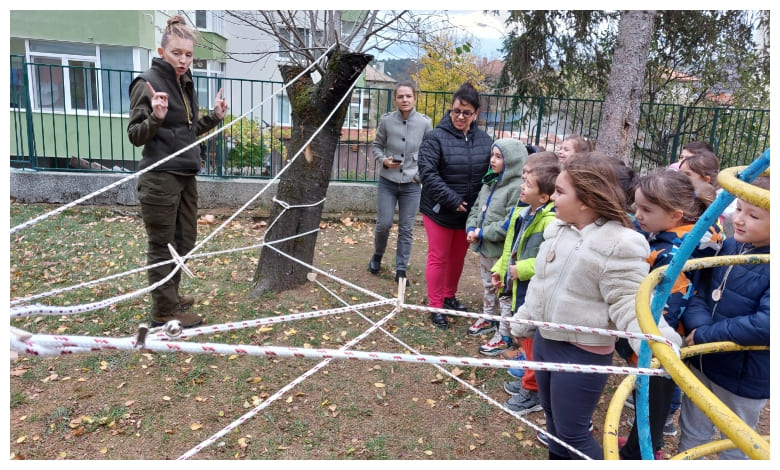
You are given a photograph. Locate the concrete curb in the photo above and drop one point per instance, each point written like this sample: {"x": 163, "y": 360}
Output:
{"x": 63, "y": 187}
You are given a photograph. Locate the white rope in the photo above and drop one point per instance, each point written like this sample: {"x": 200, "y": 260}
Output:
{"x": 61, "y": 209}
{"x": 47, "y": 345}
{"x": 145, "y": 268}
{"x": 232, "y": 326}
{"x": 285, "y": 207}
{"x": 182, "y": 260}
{"x": 443, "y": 370}
{"x": 553, "y": 326}
{"x": 61, "y": 342}
{"x": 283, "y": 390}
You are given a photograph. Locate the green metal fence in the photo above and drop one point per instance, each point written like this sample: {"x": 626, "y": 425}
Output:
{"x": 75, "y": 118}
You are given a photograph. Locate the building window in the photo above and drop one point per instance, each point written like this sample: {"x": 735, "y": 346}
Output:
{"x": 200, "y": 19}
{"x": 304, "y": 35}
{"x": 64, "y": 84}
{"x": 358, "y": 114}
{"x": 208, "y": 20}
{"x": 288, "y": 38}
{"x": 71, "y": 77}
{"x": 207, "y": 75}
{"x": 285, "y": 111}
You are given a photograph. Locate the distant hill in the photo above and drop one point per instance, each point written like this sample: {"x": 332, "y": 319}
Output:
{"x": 399, "y": 69}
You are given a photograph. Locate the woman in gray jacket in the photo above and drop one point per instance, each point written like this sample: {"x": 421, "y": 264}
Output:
{"x": 397, "y": 141}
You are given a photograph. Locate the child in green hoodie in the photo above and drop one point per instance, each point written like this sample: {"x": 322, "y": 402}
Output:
{"x": 485, "y": 229}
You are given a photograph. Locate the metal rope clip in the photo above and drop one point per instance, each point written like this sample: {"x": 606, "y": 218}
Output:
{"x": 179, "y": 261}
{"x": 140, "y": 338}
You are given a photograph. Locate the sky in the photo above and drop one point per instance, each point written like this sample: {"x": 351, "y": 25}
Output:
{"x": 487, "y": 31}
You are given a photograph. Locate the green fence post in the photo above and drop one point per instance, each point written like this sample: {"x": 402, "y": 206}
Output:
{"x": 28, "y": 117}
{"x": 677, "y": 131}
{"x": 539, "y": 121}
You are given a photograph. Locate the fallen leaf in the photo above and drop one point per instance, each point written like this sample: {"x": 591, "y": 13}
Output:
{"x": 457, "y": 372}
{"x": 21, "y": 439}
{"x": 195, "y": 426}
{"x": 428, "y": 452}
{"x": 207, "y": 219}
{"x": 104, "y": 450}
{"x": 430, "y": 402}
{"x": 379, "y": 385}
{"x": 472, "y": 447}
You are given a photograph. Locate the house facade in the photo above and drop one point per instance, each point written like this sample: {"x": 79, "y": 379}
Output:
{"x": 80, "y": 64}
{"x": 78, "y": 76}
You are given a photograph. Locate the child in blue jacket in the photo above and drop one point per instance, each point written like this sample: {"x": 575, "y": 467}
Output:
{"x": 733, "y": 306}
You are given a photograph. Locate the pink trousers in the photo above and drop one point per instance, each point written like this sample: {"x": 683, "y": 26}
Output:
{"x": 446, "y": 253}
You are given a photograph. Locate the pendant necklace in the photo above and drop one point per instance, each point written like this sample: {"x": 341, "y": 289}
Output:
{"x": 717, "y": 294}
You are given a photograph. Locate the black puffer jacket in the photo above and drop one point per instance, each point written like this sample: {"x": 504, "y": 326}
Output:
{"x": 451, "y": 167}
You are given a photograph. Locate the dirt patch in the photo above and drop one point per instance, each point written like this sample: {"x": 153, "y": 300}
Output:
{"x": 137, "y": 405}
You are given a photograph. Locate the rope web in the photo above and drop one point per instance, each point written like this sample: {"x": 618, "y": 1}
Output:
{"x": 168, "y": 338}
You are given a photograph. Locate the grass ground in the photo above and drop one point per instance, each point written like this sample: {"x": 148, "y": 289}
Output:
{"x": 141, "y": 405}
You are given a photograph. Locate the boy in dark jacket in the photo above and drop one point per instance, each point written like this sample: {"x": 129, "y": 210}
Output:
{"x": 733, "y": 307}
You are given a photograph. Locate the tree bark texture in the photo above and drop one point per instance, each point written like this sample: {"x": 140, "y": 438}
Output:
{"x": 620, "y": 114}
{"x": 306, "y": 181}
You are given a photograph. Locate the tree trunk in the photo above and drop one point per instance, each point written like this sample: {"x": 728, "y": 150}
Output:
{"x": 307, "y": 179}
{"x": 620, "y": 115}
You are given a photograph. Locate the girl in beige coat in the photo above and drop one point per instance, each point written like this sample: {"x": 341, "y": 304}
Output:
{"x": 587, "y": 273}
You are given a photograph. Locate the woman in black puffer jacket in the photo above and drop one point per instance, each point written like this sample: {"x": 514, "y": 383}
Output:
{"x": 453, "y": 158}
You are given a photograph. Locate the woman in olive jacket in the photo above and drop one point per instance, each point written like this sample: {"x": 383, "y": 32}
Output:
{"x": 164, "y": 119}
{"x": 452, "y": 160}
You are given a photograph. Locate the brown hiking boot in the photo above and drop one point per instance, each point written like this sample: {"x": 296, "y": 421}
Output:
{"x": 187, "y": 320}
{"x": 186, "y": 301}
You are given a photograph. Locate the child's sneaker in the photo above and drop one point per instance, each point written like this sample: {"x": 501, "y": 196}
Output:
{"x": 495, "y": 346}
{"x": 629, "y": 402}
{"x": 669, "y": 428}
{"x": 482, "y": 326}
{"x": 543, "y": 438}
{"x": 527, "y": 402}
{"x": 514, "y": 388}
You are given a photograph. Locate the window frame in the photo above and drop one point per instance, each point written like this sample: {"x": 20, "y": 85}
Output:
{"x": 67, "y": 69}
